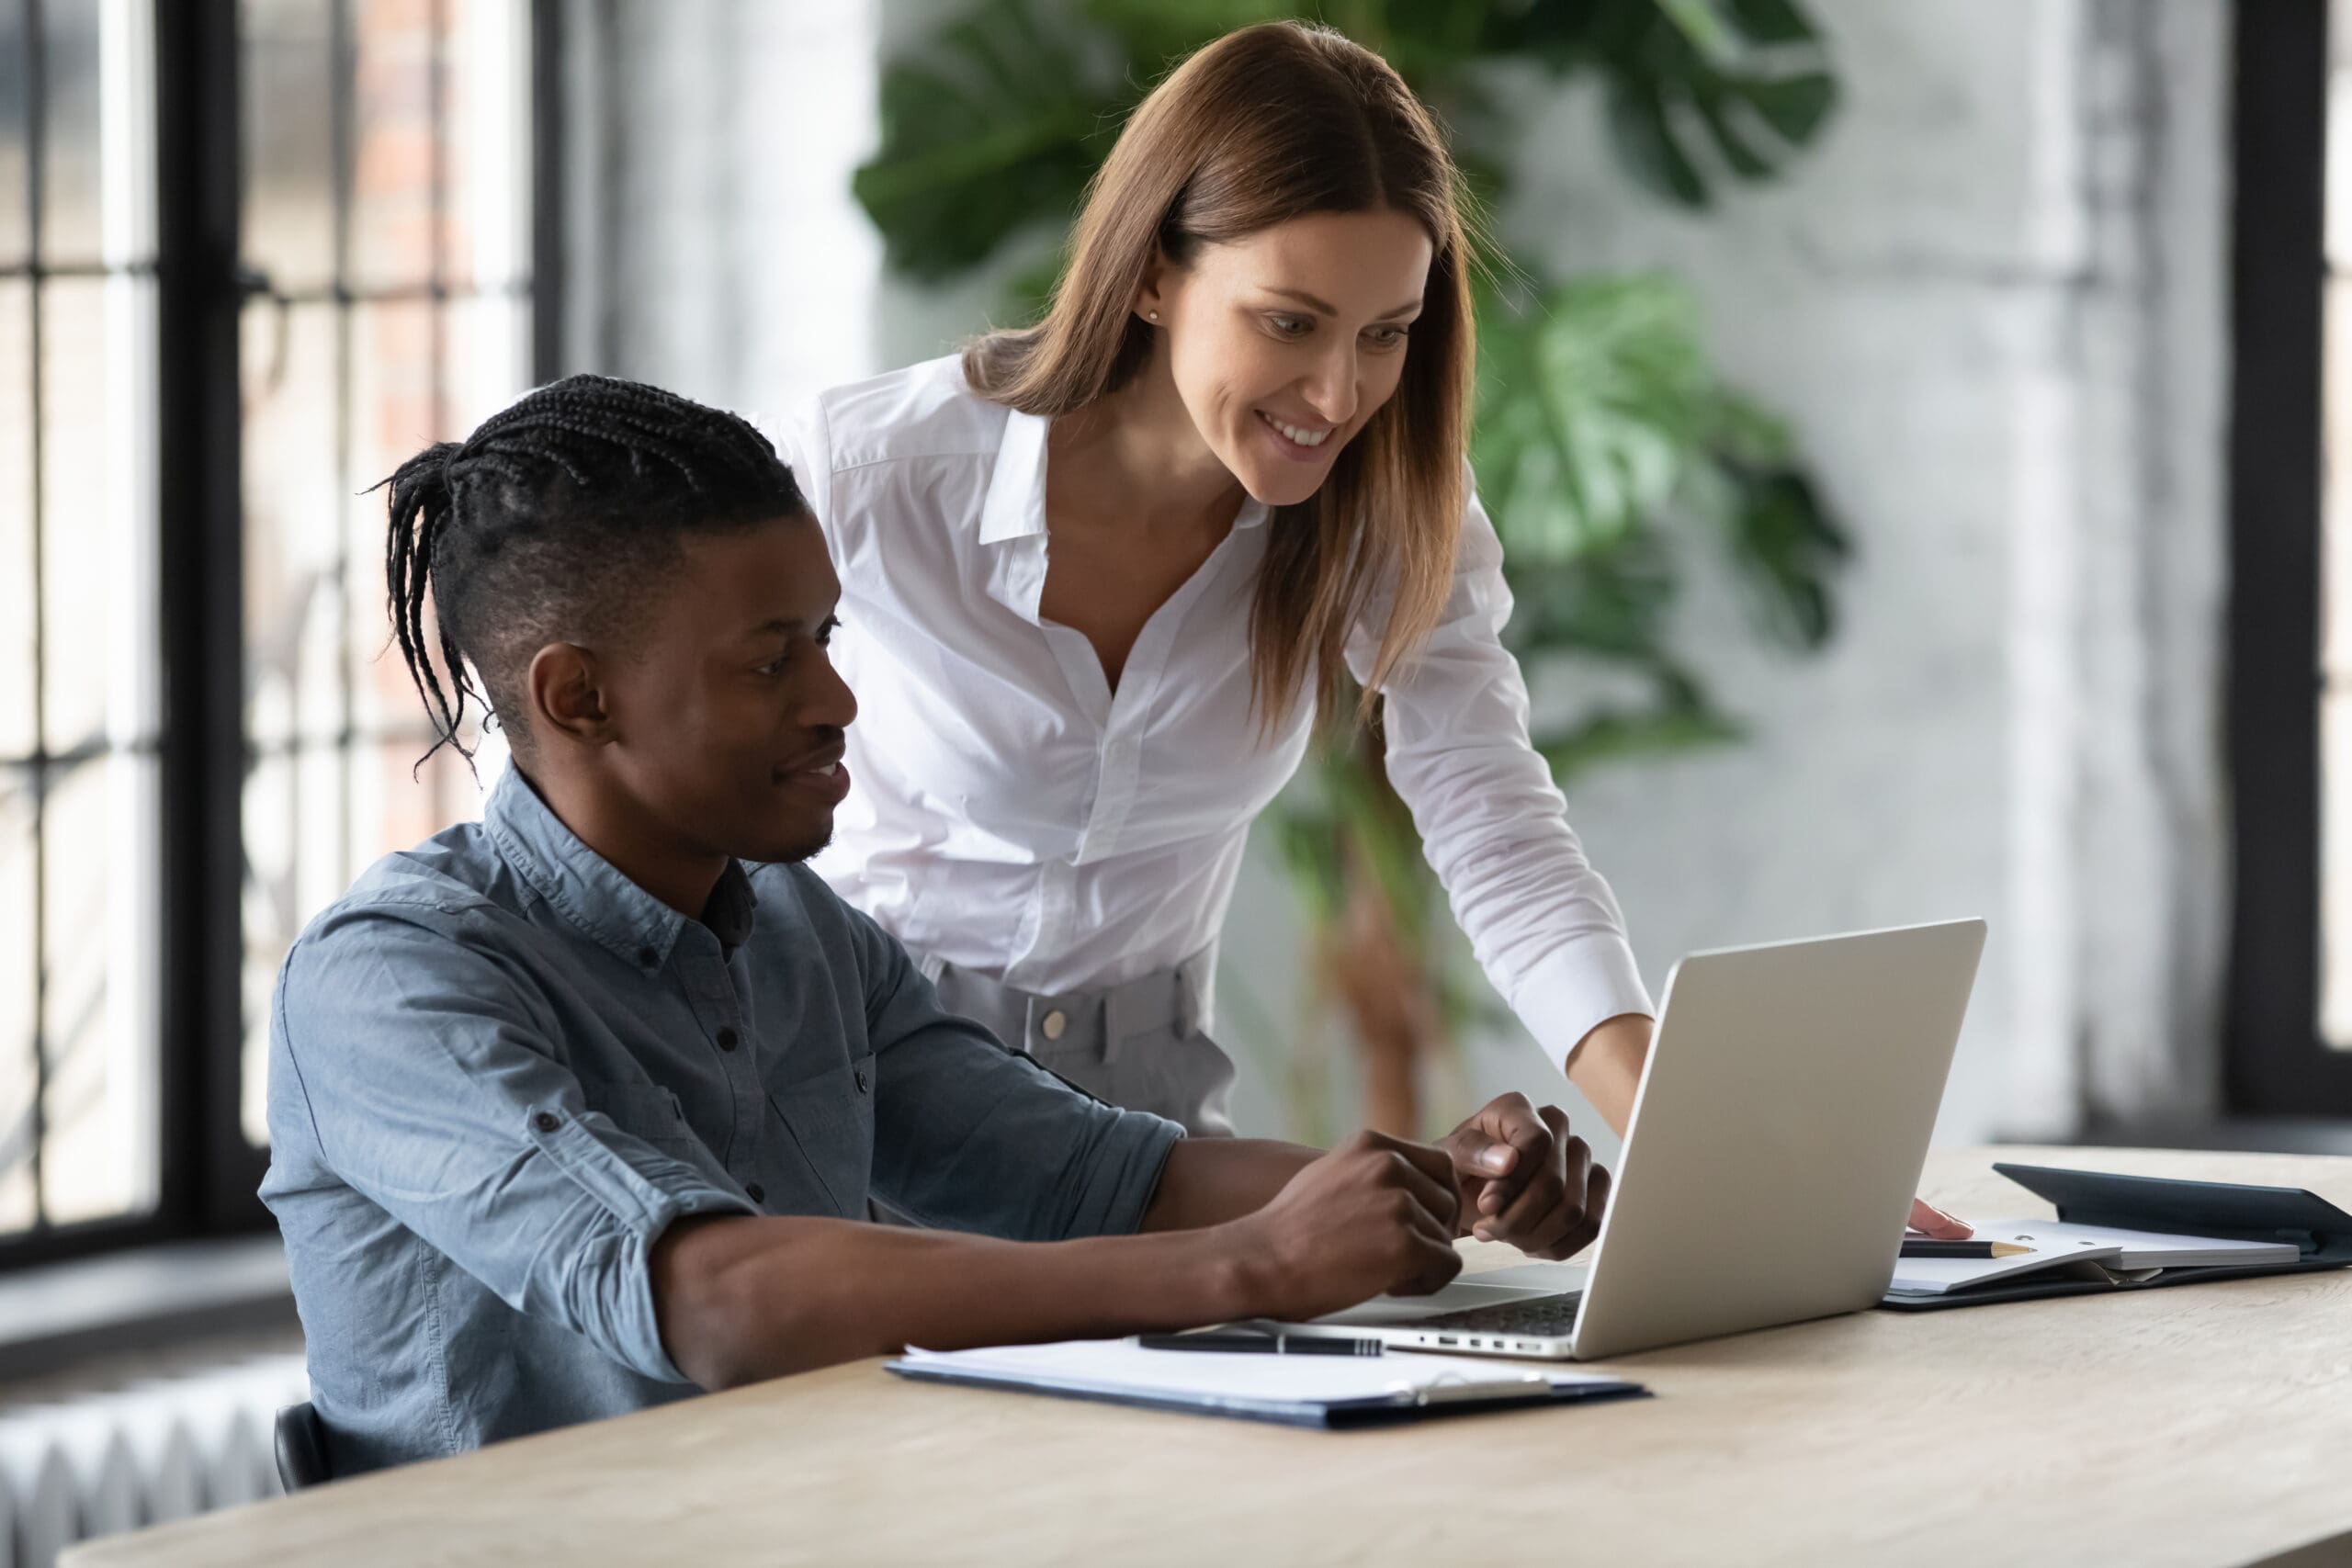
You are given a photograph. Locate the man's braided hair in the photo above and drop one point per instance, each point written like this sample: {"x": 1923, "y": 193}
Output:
{"x": 551, "y": 522}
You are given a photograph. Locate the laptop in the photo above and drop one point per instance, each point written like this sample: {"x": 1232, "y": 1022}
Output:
{"x": 1776, "y": 1142}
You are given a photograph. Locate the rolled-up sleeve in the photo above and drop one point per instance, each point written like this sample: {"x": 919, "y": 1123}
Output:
{"x": 971, "y": 1136}
{"x": 427, "y": 1078}
{"x": 1544, "y": 924}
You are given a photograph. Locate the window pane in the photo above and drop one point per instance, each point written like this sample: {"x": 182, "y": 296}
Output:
{"x": 490, "y": 355}
{"x": 14, "y": 172}
{"x": 288, "y": 155}
{"x": 2336, "y": 870}
{"x": 70, "y": 203}
{"x": 392, "y": 418}
{"x": 393, "y": 173}
{"x": 16, "y": 664}
{"x": 2335, "y": 664}
{"x": 485, "y": 346}
{"x": 293, "y": 495}
{"x": 396, "y": 803}
{"x": 2337, "y": 221}
{"x": 97, "y": 1006}
{"x": 487, "y": 139}
{"x": 268, "y": 917}
{"x": 358, "y": 389}
{"x": 18, "y": 1197}
{"x": 81, "y": 604}
{"x": 295, "y": 833}
{"x": 97, "y": 525}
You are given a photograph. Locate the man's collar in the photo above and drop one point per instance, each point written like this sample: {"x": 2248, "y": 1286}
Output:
{"x": 595, "y": 895}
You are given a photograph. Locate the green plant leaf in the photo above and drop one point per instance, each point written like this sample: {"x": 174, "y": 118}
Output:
{"x": 1748, "y": 79}
{"x": 1772, "y": 22}
{"x": 1704, "y": 27}
{"x": 1787, "y": 547}
{"x": 1594, "y": 401}
{"x": 994, "y": 125}
{"x": 1616, "y": 734}
{"x": 1306, "y": 841}
{"x": 1796, "y": 106}
{"x": 1611, "y": 605}
{"x": 1647, "y": 146}
{"x": 1156, "y": 33}
{"x": 1738, "y": 151}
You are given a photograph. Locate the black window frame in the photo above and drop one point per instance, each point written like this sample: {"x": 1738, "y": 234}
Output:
{"x": 208, "y": 1172}
{"x": 2275, "y": 1062}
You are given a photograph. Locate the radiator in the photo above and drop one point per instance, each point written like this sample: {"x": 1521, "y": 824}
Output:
{"x": 160, "y": 1446}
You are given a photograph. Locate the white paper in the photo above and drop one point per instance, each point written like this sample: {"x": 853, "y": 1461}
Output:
{"x": 1935, "y": 1276}
{"x": 2140, "y": 1249}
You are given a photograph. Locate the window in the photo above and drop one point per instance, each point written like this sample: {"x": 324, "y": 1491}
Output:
{"x": 80, "y": 709}
{"x": 2290, "y": 692}
{"x": 262, "y": 253}
{"x": 385, "y": 239}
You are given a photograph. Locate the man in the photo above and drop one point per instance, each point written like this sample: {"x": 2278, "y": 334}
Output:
{"x": 580, "y": 1109}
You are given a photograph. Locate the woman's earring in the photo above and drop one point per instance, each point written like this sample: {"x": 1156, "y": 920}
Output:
{"x": 1152, "y": 315}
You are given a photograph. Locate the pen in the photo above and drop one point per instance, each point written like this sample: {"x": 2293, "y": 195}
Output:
{"x": 1262, "y": 1344}
{"x": 1914, "y": 1246}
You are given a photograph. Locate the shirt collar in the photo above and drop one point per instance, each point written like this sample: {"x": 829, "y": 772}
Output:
{"x": 1016, "y": 506}
{"x": 595, "y": 895}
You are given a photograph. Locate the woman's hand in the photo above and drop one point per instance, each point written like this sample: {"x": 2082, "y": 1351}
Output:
{"x": 1934, "y": 1222}
{"x": 1525, "y": 1179}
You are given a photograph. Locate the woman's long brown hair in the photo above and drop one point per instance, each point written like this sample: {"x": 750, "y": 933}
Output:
{"x": 1267, "y": 124}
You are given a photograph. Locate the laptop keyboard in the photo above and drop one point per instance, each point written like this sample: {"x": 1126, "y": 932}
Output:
{"x": 1539, "y": 1314}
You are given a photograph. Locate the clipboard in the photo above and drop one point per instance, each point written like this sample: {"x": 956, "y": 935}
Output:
{"x": 1333, "y": 1393}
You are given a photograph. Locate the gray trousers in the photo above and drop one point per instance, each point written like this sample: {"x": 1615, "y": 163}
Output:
{"x": 1141, "y": 1045}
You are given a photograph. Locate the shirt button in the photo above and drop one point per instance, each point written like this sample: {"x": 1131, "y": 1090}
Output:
{"x": 1053, "y": 1025}
{"x": 645, "y": 958}
{"x": 726, "y": 1040}
{"x": 545, "y": 1121}
{"x": 860, "y": 1076}
{"x": 757, "y": 1194}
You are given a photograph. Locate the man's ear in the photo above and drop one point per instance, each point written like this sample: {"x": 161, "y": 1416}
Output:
{"x": 568, "y": 696}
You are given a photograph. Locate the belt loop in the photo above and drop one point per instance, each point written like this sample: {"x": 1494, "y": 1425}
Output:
{"x": 1114, "y": 1013}
{"x": 1196, "y": 992}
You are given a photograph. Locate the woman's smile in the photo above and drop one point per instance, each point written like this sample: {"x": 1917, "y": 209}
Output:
{"x": 1300, "y": 442}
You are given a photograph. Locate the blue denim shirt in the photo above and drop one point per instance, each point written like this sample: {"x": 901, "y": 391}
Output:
{"x": 499, "y": 1070}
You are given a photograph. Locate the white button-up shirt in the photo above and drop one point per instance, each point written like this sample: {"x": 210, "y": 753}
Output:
{"x": 1012, "y": 816}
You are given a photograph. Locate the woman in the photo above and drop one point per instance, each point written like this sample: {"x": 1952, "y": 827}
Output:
{"x": 1101, "y": 573}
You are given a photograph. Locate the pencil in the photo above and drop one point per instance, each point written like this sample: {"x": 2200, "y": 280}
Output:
{"x": 1928, "y": 1246}
{"x": 1263, "y": 1344}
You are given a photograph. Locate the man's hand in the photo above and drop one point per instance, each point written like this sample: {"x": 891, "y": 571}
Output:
{"x": 1524, "y": 1180}
{"x": 1375, "y": 1214}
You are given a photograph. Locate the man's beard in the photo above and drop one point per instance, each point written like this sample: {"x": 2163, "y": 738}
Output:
{"x": 815, "y": 848}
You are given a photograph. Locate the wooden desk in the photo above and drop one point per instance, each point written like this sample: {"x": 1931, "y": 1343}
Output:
{"x": 2211, "y": 1424}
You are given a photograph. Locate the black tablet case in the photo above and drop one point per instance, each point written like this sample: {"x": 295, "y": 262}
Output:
{"x": 2320, "y": 1230}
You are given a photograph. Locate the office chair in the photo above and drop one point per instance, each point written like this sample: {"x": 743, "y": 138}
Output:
{"x": 301, "y": 1447}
